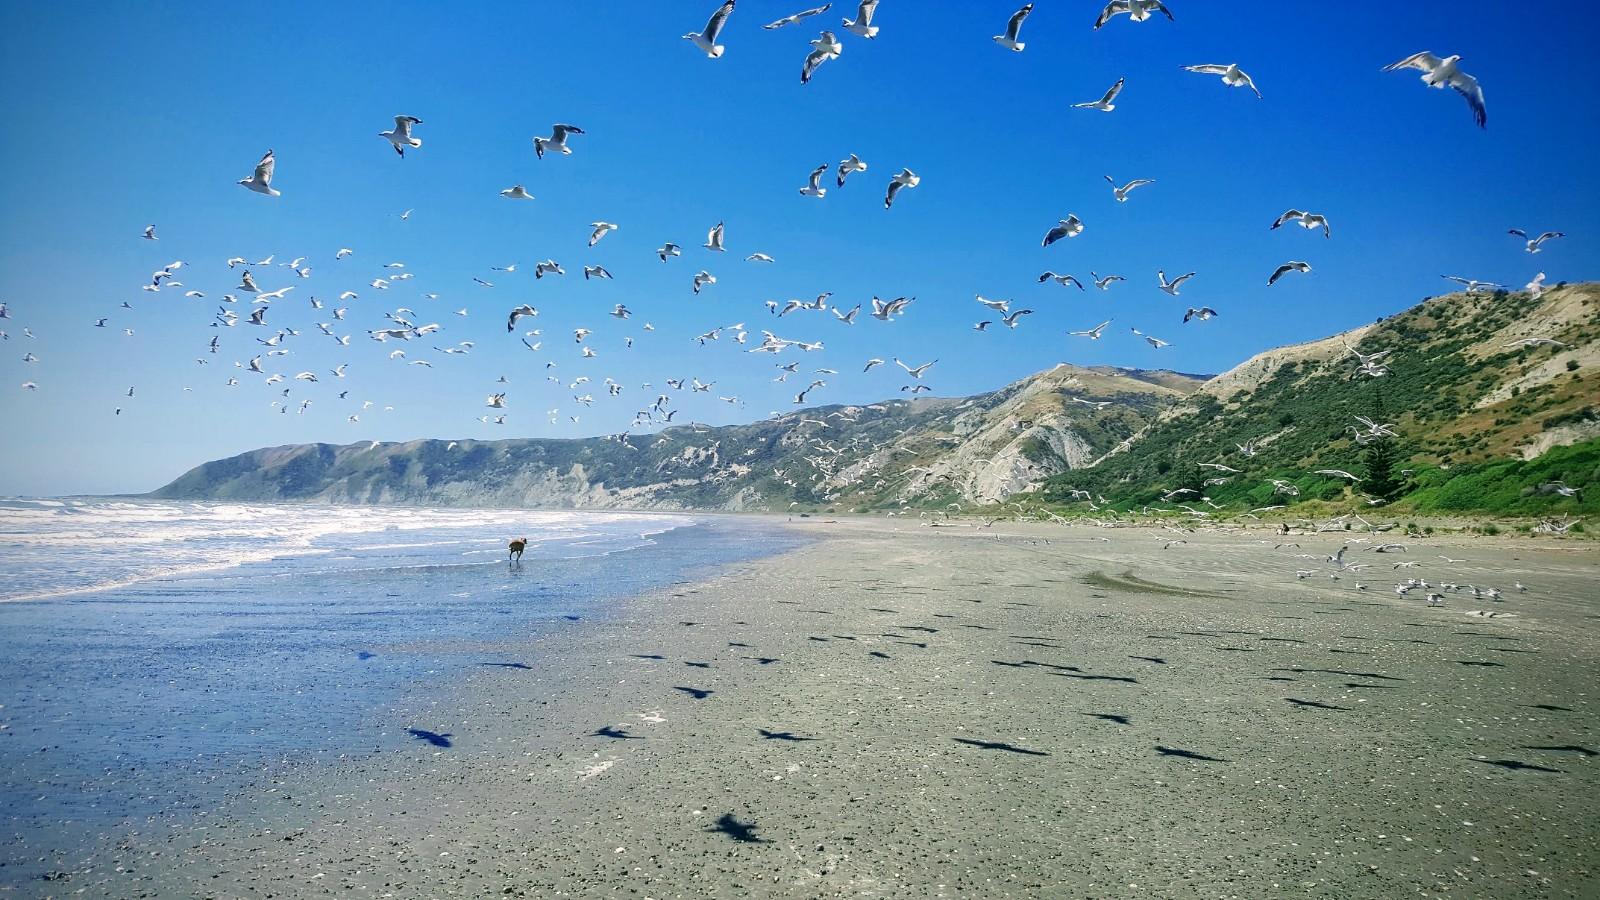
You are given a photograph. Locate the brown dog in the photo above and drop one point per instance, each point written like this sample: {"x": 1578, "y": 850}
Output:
{"x": 517, "y": 546}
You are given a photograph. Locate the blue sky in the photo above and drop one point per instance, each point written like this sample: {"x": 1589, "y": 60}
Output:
{"x": 122, "y": 115}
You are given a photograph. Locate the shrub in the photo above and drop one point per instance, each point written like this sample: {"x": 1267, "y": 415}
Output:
{"x": 1572, "y": 365}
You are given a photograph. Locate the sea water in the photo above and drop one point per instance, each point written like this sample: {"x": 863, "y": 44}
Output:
{"x": 154, "y": 655}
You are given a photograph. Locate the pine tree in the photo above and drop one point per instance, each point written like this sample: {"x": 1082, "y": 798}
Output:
{"x": 1381, "y": 459}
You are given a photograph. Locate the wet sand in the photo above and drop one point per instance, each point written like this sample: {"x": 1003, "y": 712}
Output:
{"x": 1019, "y": 711}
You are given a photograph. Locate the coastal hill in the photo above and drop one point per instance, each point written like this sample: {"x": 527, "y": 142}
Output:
{"x": 1485, "y": 424}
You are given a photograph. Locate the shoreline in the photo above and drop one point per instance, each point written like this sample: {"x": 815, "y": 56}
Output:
{"x": 904, "y": 711}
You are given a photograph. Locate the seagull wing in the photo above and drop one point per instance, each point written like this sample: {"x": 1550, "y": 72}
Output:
{"x": 1207, "y": 69}
{"x": 1017, "y": 18}
{"x": 1112, "y": 9}
{"x": 1112, "y": 94}
{"x": 1278, "y": 274}
{"x": 265, "y": 168}
{"x": 717, "y": 20}
{"x": 1425, "y": 61}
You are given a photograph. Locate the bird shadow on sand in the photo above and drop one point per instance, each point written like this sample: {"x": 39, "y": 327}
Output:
{"x": 506, "y": 665}
{"x": 1515, "y": 765}
{"x": 1000, "y": 745}
{"x": 783, "y": 736}
{"x": 1312, "y": 704}
{"x": 743, "y": 832}
{"x": 1566, "y": 748}
{"x": 611, "y": 731}
{"x": 1188, "y": 754}
{"x": 432, "y": 737}
{"x": 696, "y": 693}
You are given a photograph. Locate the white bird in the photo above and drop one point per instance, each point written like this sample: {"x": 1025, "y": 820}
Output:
{"x": 519, "y": 312}
{"x": 1441, "y": 73}
{"x": 1105, "y": 283}
{"x": 495, "y": 401}
{"x": 1231, "y": 75}
{"x": 516, "y": 192}
{"x": 707, "y": 40}
{"x": 848, "y": 166}
{"x": 621, "y": 312}
{"x": 595, "y": 272}
{"x": 871, "y": 363}
{"x": 803, "y": 14}
{"x": 1010, "y": 321}
{"x": 903, "y": 179}
{"x": 601, "y": 229}
{"x": 1092, "y": 334}
{"x": 1533, "y": 243}
{"x": 1294, "y": 265}
{"x": 1152, "y": 341}
{"x": 714, "y": 239}
{"x": 884, "y": 310}
{"x": 914, "y": 372}
{"x": 150, "y": 233}
{"x": 401, "y": 137}
{"x": 343, "y": 252}
{"x": 260, "y": 180}
{"x": 999, "y": 306}
{"x": 1137, "y": 10}
{"x": 703, "y": 278}
{"x": 1104, "y": 104}
{"x": 1071, "y": 226}
{"x": 668, "y": 249}
{"x": 1472, "y": 285}
{"x": 758, "y": 257}
{"x": 814, "y": 186}
{"x": 548, "y": 266}
{"x": 1536, "y": 286}
{"x": 1014, "y": 30}
{"x": 1204, "y": 314}
{"x": 247, "y": 283}
{"x": 556, "y": 142}
{"x": 1062, "y": 280}
{"x": 1171, "y": 287}
{"x": 862, "y": 25}
{"x": 824, "y": 48}
{"x": 1308, "y": 221}
{"x": 1121, "y": 193}
{"x": 303, "y": 376}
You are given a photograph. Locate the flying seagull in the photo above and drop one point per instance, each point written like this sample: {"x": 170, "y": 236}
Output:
{"x": 707, "y": 40}
{"x": 1472, "y": 285}
{"x": 1010, "y": 321}
{"x": 1204, "y": 313}
{"x": 1136, "y": 10}
{"x": 401, "y": 137}
{"x": 824, "y": 48}
{"x": 260, "y": 180}
{"x": 557, "y": 142}
{"x": 1308, "y": 221}
{"x": 1104, "y": 104}
{"x": 1155, "y": 342}
{"x": 601, "y": 229}
{"x": 847, "y": 166}
{"x": 814, "y": 186}
{"x": 1104, "y": 284}
{"x": 1071, "y": 226}
{"x": 1291, "y": 266}
{"x": 516, "y": 192}
{"x": 150, "y": 233}
{"x": 1441, "y": 73}
{"x": 668, "y": 249}
{"x": 1533, "y": 243}
{"x": 1092, "y": 334}
{"x": 1232, "y": 76}
{"x": 595, "y": 272}
{"x": 714, "y": 239}
{"x": 794, "y": 19}
{"x": 1121, "y": 193}
{"x": 903, "y": 179}
{"x": 914, "y": 372}
{"x": 862, "y": 25}
{"x": 1062, "y": 280}
{"x": 1171, "y": 287}
{"x": 1013, "y": 29}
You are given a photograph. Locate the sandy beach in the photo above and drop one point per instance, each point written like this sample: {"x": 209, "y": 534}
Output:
{"x": 1018, "y": 711}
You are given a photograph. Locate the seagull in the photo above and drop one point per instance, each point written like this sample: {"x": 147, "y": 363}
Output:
{"x": 1307, "y": 221}
{"x": 1062, "y": 280}
{"x": 150, "y": 233}
{"x": 848, "y": 318}
{"x": 1104, "y": 284}
{"x": 814, "y": 186}
{"x": 260, "y": 180}
{"x": 1524, "y": 342}
{"x": 1336, "y": 473}
{"x": 825, "y": 47}
{"x": 1010, "y": 321}
{"x": 883, "y": 310}
{"x": 1071, "y": 226}
{"x": 982, "y": 326}
{"x": 916, "y": 372}
{"x": 803, "y": 14}
{"x": 1121, "y": 193}
{"x": 668, "y": 249}
{"x": 1152, "y": 341}
{"x": 1231, "y": 75}
{"x": 519, "y": 312}
{"x": 703, "y": 278}
{"x": 999, "y": 306}
{"x": 707, "y": 40}
{"x": 1204, "y": 313}
{"x": 1291, "y": 266}
{"x": 1137, "y": 10}
{"x": 1440, "y": 73}
{"x": 549, "y": 265}
{"x": 1092, "y": 334}
{"x": 557, "y": 141}
{"x": 1171, "y": 287}
{"x": 862, "y": 25}
{"x": 759, "y": 257}
{"x": 401, "y": 137}
{"x": 595, "y": 272}
{"x": 714, "y": 239}
{"x": 905, "y": 178}
{"x": 246, "y": 283}
{"x": 1013, "y": 29}
{"x": 847, "y": 166}
{"x": 1104, "y": 104}
{"x": 516, "y": 192}
{"x": 601, "y": 229}
{"x": 1533, "y": 243}
{"x": 343, "y": 252}
{"x": 871, "y": 363}
{"x": 1472, "y": 285}
{"x": 1536, "y": 286}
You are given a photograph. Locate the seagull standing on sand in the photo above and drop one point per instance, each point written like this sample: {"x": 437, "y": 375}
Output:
{"x": 1069, "y": 227}
{"x": 1533, "y": 243}
{"x": 1291, "y": 266}
{"x": 1171, "y": 287}
{"x": 260, "y": 180}
{"x": 401, "y": 137}
{"x": 1231, "y": 74}
{"x": 824, "y": 48}
{"x": 1136, "y": 10}
{"x": 862, "y": 25}
{"x": 1441, "y": 73}
{"x": 814, "y": 186}
{"x": 1104, "y": 104}
{"x": 1308, "y": 221}
{"x": 1014, "y": 29}
{"x": 794, "y": 19}
{"x": 903, "y": 179}
{"x": 1121, "y": 193}
{"x": 707, "y": 40}
{"x": 557, "y": 142}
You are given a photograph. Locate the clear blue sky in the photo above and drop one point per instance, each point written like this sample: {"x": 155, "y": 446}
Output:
{"x": 122, "y": 115}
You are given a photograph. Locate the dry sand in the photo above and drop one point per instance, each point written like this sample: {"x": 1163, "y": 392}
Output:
{"x": 1020, "y": 711}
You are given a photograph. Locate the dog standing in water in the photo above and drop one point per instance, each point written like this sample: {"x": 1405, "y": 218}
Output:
{"x": 517, "y": 546}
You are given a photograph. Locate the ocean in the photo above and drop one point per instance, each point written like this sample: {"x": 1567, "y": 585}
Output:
{"x": 155, "y": 656}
